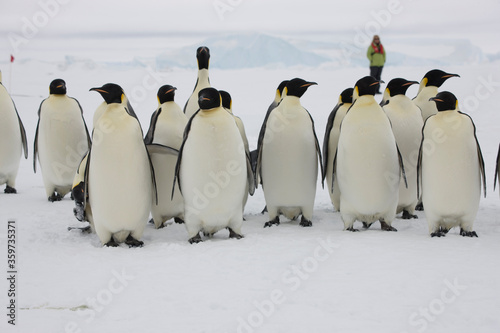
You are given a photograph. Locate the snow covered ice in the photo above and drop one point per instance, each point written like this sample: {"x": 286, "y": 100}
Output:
{"x": 280, "y": 279}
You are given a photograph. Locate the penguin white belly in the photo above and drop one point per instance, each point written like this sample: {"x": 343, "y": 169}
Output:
{"x": 10, "y": 140}
{"x": 407, "y": 124}
{"x": 120, "y": 185}
{"x": 332, "y": 150}
{"x": 367, "y": 166}
{"x": 289, "y": 165}
{"x": 422, "y": 101}
{"x": 450, "y": 173}
{"x": 213, "y": 174}
{"x": 62, "y": 142}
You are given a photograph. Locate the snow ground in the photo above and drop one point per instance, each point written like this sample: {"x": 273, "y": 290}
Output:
{"x": 280, "y": 279}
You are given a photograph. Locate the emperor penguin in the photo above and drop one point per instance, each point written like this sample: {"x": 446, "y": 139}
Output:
{"x": 166, "y": 129}
{"x": 61, "y": 140}
{"x": 407, "y": 123}
{"x": 451, "y": 166}
{"x": 227, "y": 104}
{"x": 288, "y": 158}
{"x": 212, "y": 170}
{"x": 367, "y": 161}
{"x": 330, "y": 144}
{"x": 428, "y": 88}
{"x": 203, "y": 81}
{"x": 82, "y": 210}
{"x": 12, "y": 140}
{"x": 119, "y": 176}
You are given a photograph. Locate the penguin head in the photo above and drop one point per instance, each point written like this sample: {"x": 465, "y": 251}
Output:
{"x": 367, "y": 85}
{"x": 281, "y": 87}
{"x": 445, "y": 101}
{"x": 166, "y": 93}
{"x": 297, "y": 87}
{"x": 57, "y": 87}
{"x": 209, "y": 98}
{"x": 226, "y": 99}
{"x": 398, "y": 86}
{"x": 346, "y": 95}
{"x": 112, "y": 93}
{"x": 436, "y": 78}
{"x": 203, "y": 56}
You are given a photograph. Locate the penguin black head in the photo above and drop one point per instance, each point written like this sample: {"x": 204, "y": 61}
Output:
{"x": 57, "y": 87}
{"x": 226, "y": 99}
{"x": 399, "y": 86}
{"x": 166, "y": 93}
{"x": 209, "y": 98}
{"x": 436, "y": 78}
{"x": 282, "y": 86}
{"x": 367, "y": 86}
{"x": 346, "y": 95}
{"x": 203, "y": 56}
{"x": 445, "y": 101}
{"x": 297, "y": 87}
{"x": 112, "y": 93}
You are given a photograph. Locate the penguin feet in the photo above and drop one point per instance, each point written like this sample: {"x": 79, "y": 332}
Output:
{"x": 208, "y": 234}
{"x": 195, "y": 239}
{"x": 132, "y": 242}
{"x": 264, "y": 210}
{"x": 444, "y": 230}
{"x": 55, "y": 197}
{"x": 152, "y": 221}
{"x": 9, "y": 190}
{"x": 351, "y": 228}
{"x": 161, "y": 226}
{"x": 366, "y": 225}
{"x": 82, "y": 229}
{"x": 438, "y": 233}
{"x": 79, "y": 212}
{"x": 276, "y": 221}
{"x": 419, "y": 207}
{"x": 178, "y": 220}
{"x": 233, "y": 234}
{"x": 111, "y": 243}
{"x": 386, "y": 227}
{"x": 407, "y": 216}
{"x": 467, "y": 233}
{"x": 305, "y": 223}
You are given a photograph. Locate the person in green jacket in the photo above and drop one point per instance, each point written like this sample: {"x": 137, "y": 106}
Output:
{"x": 376, "y": 55}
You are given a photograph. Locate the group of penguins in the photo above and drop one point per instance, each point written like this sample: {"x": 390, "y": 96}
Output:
{"x": 195, "y": 166}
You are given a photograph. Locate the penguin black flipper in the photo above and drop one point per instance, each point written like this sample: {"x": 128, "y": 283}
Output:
{"x": 179, "y": 158}
{"x": 326, "y": 140}
{"x": 497, "y": 169}
{"x": 21, "y": 128}
{"x": 253, "y": 161}
{"x": 35, "y": 143}
{"x": 260, "y": 142}
{"x": 318, "y": 151}
{"x": 89, "y": 140}
{"x": 419, "y": 161}
{"x": 250, "y": 175}
{"x": 152, "y": 127}
{"x": 402, "y": 166}
{"x": 479, "y": 154}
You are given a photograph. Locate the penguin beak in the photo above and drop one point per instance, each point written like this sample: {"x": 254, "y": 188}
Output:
{"x": 409, "y": 83}
{"x": 99, "y": 90}
{"x": 376, "y": 82}
{"x": 60, "y": 86}
{"x": 449, "y": 75}
{"x": 308, "y": 84}
{"x": 435, "y": 99}
{"x": 169, "y": 91}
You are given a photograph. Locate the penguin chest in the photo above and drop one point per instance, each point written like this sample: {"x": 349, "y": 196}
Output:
{"x": 120, "y": 185}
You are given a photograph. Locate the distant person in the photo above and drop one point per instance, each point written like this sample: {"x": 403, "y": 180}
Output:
{"x": 376, "y": 55}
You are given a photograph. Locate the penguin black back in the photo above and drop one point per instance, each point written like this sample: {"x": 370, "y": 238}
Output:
{"x": 203, "y": 56}
{"x": 209, "y": 98}
{"x": 57, "y": 87}
{"x": 297, "y": 87}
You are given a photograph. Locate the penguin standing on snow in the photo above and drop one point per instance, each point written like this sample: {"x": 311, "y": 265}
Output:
{"x": 330, "y": 144}
{"x": 119, "y": 176}
{"x": 407, "y": 123}
{"x": 288, "y": 158}
{"x": 61, "y": 140}
{"x": 429, "y": 88}
{"x": 497, "y": 170}
{"x": 12, "y": 140}
{"x": 227, "y": 104}
{"x": 203, "y": 57}
{"x": 451, "y": 167}
{"x": 213, "y": 170}
{"x": 166, "y": 129}
{"x": 367, "y": 161}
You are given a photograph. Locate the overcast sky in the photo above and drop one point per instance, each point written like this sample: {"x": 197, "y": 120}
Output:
{"x": 476, "y": 19}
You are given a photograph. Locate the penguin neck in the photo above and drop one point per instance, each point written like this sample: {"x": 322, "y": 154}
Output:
{"x": 211, "y": 111}
{"x": 291, "y": 100}
{"x": 366, "y": 99}
{"x": 428, "y": 89}
{"x": 203, "y": 77}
